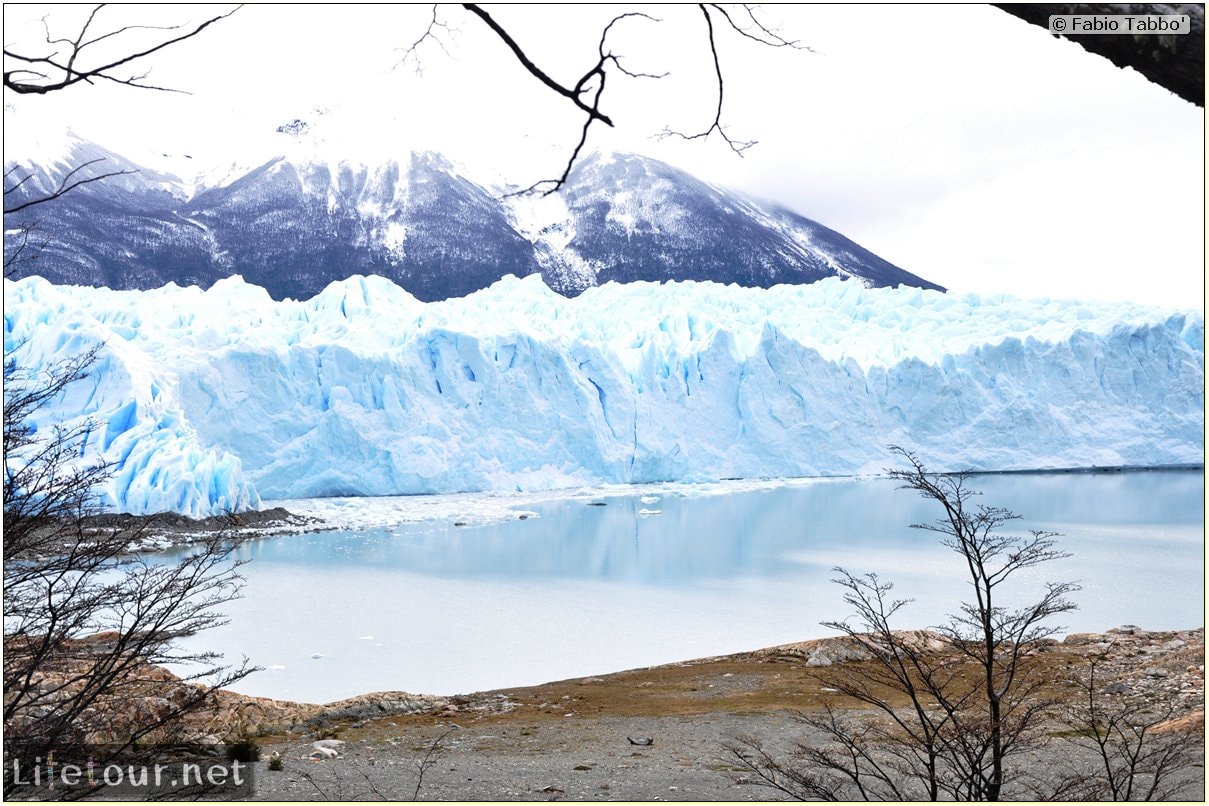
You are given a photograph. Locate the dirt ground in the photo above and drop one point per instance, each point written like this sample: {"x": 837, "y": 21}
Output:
{"x": 650, "y": 734}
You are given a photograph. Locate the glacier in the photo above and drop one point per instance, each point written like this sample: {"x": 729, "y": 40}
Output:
{"x": 208, "y": 401}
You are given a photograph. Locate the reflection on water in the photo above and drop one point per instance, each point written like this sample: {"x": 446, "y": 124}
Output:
{"x": 587, "y": 589}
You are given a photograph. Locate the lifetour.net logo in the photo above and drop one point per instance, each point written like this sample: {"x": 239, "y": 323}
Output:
{"x": 55, "y": 778}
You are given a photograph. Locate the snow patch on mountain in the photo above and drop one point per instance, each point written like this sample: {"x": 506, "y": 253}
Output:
{"x": 53, "y": 149}
{"x": 301, "y": 211}
{"x": 547, "y": 223}
{"x": 636, "y": 198}
{"x": 208, "y": 400}
{"x": 40, "y": 164}
{"x": 803, "y": 238}
{"x": 393, "y": 235}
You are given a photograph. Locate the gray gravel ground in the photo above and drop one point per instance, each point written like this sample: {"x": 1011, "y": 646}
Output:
{"x": 571, "y": 740}
{"x": 578, "y": 759}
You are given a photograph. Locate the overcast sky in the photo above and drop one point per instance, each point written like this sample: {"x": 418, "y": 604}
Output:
{"x": 955, "y": 141}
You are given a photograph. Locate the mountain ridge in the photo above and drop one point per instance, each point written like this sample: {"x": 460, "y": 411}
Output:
{"x": 298, "y": 221}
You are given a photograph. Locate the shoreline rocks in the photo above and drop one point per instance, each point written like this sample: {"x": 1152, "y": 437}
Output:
{"x": 1166, "y": 666}
{"x": 168, "y": 530}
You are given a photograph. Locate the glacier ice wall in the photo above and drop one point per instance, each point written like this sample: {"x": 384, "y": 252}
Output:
{"x": 207, "y": 400}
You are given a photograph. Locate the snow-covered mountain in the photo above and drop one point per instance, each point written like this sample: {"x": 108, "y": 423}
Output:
{"x": 628, "y": 218}
{"x": 300, "y": 221}
{"x": 209, "y": 400}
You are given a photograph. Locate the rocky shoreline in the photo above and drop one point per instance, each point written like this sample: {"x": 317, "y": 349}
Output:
{"x": 168, "y": 530}
{"x": 1136, "y": 662}
{"x": 646, "y": 734}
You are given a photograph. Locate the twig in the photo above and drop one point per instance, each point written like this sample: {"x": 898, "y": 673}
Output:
{"x": 428, "y": 760}
{"x": 66, "y": 184}
{"x": 25, "y": 80}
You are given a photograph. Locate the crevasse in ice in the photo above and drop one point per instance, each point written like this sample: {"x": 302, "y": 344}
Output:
{"x": 208, "y": 401}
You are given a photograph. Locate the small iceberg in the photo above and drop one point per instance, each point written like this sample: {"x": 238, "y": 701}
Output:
{"x": 649, "y": 512}
{"x": 649, "y": 499}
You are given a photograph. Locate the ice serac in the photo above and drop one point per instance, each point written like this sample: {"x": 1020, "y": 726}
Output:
{"x": 208, "y": 400}
{"x": 133, "y": 417}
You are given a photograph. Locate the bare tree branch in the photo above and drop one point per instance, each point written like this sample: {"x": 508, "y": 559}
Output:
{"x": 1133, "y": 757}
{"x": 66, "y": 64}
{"x": 592, "y": 111}
{"x": 756, "y": 31}
{"x": 88, "y": 624}
{"x": 588, "y": 91}
{"x": 22, "y": 245}
{"x": 737, "y": 146}
{"x": 946, "y": 710}
{"x": 67, "y": 184}
{"x": 429, "y": 760}
{"x": 431, "y": 34}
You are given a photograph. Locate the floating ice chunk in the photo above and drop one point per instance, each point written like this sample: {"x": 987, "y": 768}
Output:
{"x": 647, "y": 512}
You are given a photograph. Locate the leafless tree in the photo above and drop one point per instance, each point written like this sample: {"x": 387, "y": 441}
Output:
{"x": 1135, "y": 751}
{"x": 993, "y": 637}
{"x": 586, "y": 93}
{"x": 88, "y": 624}
{"x": 949, "y": 708}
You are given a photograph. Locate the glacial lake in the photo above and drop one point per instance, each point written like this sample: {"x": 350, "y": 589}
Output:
{"x": 575, "y": 589}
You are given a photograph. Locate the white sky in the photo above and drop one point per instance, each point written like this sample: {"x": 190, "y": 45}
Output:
{"x": 955, "y": 141}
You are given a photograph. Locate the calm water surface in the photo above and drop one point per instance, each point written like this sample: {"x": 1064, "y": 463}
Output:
{"x": 583, "y": 589}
